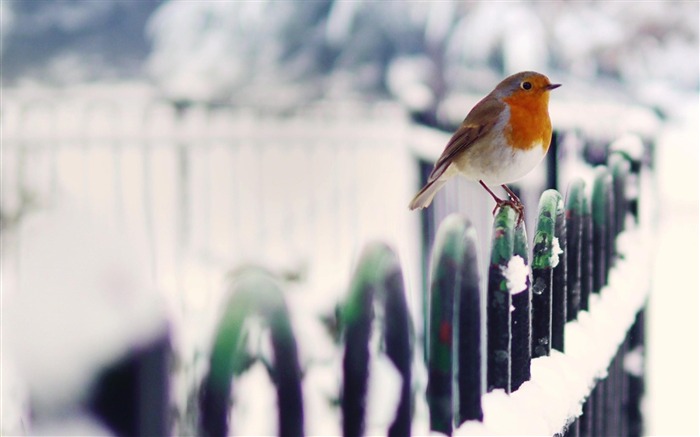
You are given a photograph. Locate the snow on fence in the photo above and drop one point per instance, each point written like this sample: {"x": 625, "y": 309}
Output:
{"x": 554, "y": 345}
{"x": 549, "y": 339}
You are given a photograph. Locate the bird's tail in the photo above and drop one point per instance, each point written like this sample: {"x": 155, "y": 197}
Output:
{"x": 426, "y": 194}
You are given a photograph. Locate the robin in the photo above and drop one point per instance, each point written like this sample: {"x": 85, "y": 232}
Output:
{"x": 502, "y": 138}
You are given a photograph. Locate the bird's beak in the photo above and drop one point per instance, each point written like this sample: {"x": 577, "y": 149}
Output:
{"x": 552, "y": 86}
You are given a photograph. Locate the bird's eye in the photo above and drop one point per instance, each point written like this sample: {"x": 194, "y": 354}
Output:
{"x": 526, "y": 85}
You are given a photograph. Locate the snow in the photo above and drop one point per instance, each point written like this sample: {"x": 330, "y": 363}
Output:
{"x": 562, "y": 381}
{"x": 516, "y": 273}
{"x": 14, "y": 397}
{"x": 673, "y": 385}
{"x": 320, "y": 359}
{"x": 78, "y": 423}
{"x": 408, "y": 80}
{"x": 83, "y": 300}
{"x": 524, "y": 40}
{"x": 630, "y": 144}
{"x": 199, "y": 218}
{"x": 634, "y": 362}
{"x": 384, "y": 393}
{"x": 556, "y": 251}
{"x": 254, "y": 409}
{"x": 188, "y": 268}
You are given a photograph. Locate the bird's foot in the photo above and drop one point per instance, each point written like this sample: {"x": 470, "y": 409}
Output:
{"x": 513, "y": 203}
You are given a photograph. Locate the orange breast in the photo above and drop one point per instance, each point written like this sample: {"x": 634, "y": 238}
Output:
{"x": 529, "y": 123}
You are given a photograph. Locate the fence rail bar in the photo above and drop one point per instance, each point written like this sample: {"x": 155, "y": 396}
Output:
{"x": 543, "y": 274}
{"x": 620, "y": 169}
{"x": 253, "y": 292}
{"x": 559, "y": 277}
{"x": 454, "y": 336}
{"x": 470, "y": 360}
{"x": 377, "y": 278}
{"x": 586, "y": 253}
{"x": 521, "y": 317}
{"x": 575, "y": 213}
{"x": 602, "y": 212}
{"x": 499, "y": 302}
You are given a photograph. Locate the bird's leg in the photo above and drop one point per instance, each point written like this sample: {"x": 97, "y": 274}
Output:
{"x": 513, "y": 202}
{"x": 498, "y": 200}
{"x": 512, "y": 195}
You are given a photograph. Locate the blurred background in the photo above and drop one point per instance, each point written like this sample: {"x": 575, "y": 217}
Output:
{"x": 194, "y": 137}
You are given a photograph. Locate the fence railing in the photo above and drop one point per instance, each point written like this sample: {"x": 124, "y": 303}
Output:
{"x": 526, "y": 315}
{"x": 528, "y": 330}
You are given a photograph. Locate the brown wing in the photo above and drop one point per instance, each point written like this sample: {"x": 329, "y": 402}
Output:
{"x": 478, "y": 123}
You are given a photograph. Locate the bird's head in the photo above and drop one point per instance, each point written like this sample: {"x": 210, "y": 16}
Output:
{"x": 525, "y": 86}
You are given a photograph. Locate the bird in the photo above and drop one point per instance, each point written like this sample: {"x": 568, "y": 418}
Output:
{"x": 504, "y": 136}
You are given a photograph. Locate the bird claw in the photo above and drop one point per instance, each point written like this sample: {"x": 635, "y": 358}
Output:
{"x": 516, "y": 205}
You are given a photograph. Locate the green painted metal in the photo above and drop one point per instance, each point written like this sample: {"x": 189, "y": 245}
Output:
{"x": 454, "y": 358}
{"x": 600, "y": 197}
{"x": 620, "y": 169}
{"x": 376, "y": 262}
{"x": 377, "y": 279}
{"x": 521, "y": 316}
{"x": 575, "y": 204}
{"x": 602, "y": 212}
{"x": 543, "y": 273}
{"x": 586, "y": 254}
{"x": 499, "y": 302}
{"x": 254, "y": 293}
{"x": 550, "y": 203}
{"x": 503, "y": 225}
{"x": 559, "y": 284}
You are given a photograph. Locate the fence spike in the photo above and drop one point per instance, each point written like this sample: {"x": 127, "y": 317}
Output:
{"x": 455, "y": 334}
{"x": 586, "y": 253}
{"x": 521, "y": 316}
{"x": 559, "y": 279}
{"x": 471, "y": 363}
{"x": 377, "y": 278}
{"x": 620, "y": 169}
{"x": 635, "y": 389}
{"x": 253, "y": 292}
{"x": 575, "y": 198}
{"x": 602, "y": 213}
{"x": 499, "y": 302}
{"x": 543, "y": 262}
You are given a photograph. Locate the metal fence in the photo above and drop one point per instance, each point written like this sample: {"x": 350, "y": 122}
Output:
{"x": 208, "y": 189}
{"x": 477, "y": 342}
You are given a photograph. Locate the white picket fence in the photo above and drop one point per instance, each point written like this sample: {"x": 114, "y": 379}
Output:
{"x": 207, "y": 190}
